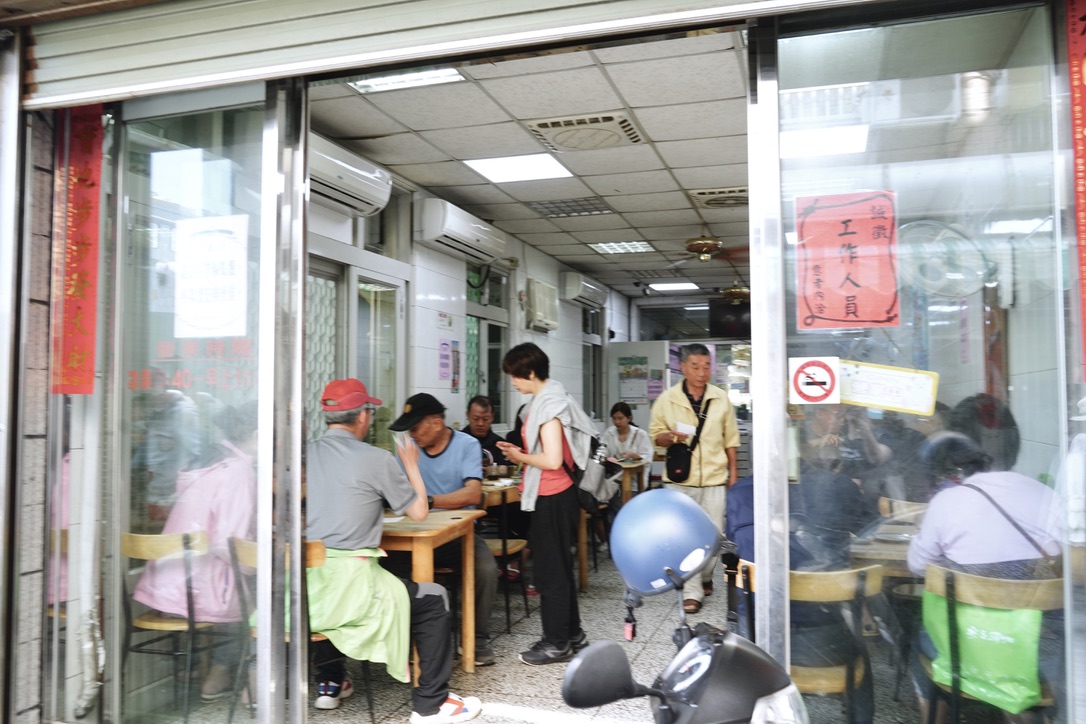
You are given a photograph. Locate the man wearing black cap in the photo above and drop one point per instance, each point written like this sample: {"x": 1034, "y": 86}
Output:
{"x": 365, "y": 611}
{"x": 452, "y": 470}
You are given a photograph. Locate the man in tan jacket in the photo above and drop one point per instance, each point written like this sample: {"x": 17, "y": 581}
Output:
{"x": 713, "y": 463}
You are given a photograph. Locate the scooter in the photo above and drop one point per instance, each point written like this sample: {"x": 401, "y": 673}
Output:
{"x": 717, "y": 677}
{"x": 659, "y": 540}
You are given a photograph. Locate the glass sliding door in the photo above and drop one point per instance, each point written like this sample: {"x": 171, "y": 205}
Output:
{"x": 923, "y": 264}
{"x": 199, "y": 419}
{"x": 380, "y": 349}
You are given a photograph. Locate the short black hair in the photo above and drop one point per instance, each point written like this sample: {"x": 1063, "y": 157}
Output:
{"x": 524, "y": 359}
{"x": 623, "y": 408}
{"x": 481, "y": 401}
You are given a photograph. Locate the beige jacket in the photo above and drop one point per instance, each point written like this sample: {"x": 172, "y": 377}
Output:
{"x": 709, "y": 463}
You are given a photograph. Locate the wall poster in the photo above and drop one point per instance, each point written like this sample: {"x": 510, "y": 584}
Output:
{"x": 633, "y": 379}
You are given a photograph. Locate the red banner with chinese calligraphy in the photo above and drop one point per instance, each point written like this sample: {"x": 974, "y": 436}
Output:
{"x": 77, "y": 261}
{"x": 846, "y": 267}
{"x": 1076, "y": 59}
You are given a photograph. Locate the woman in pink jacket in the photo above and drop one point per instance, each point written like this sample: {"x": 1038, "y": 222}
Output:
{"x": 221, "y": 500}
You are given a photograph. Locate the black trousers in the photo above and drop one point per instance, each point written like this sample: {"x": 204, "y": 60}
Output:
{"x": 430, "y": 633}
{"x": 554, "y": 525}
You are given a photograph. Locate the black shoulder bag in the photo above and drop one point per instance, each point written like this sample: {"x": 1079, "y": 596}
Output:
{"x": 679, "y": 454}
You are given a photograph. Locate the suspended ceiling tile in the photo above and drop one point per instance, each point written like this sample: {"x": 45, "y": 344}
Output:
{"x": 331, "y": 90}
{"x": 607, "y": 236}
{"x": 694, "y": 120}
{"x": 571, "y": 250}
{"x": 592, "y": 223}
{"x": 498, "y": 139}
{"x": 621, "y": 159}
{"x": 350, "y": 117}
{"x": 650, "y": 219}
{"x": 632, "y": 183}
{"x": 401, "y": 148}
{"x": 726, "y": 214}
{"x": 736, "y": 228}
{"x": 671, "y": 232}
{"x": 530, "y": 226}
{"x": 668, "y": 81}
{"x": 704, "y": 42}
{"x": 523, "y": 66}
{"x": 704, "y": 151}
{"x": 548, "y": 190}
{"x": 501, "y": 211}
{"x": 707, "y": 177}
{"x": 452, "y": 105}
{"x": 475, "y": 194}
{"x": 650, "y": 202}
{"x": 552, "y": 95}
{"x": 545, "y": 239}
{"x": 445, "y": 173}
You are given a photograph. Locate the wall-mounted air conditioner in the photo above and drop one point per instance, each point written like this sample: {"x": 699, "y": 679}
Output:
{"x": 449, "y": 229}
{"x": 344, "y": 181}
{"x": 542, "y": 306}
{"x": 576, "y": 287}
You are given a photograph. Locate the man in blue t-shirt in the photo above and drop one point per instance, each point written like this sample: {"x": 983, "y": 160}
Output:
{"x": 452, "y": 469}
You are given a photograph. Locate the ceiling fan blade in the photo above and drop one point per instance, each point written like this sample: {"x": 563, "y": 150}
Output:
{"x": 678, "y": 263}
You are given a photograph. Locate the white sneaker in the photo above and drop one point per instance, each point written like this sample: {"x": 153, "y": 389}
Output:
{"x": 455, "y": 709}
{"x": 329, "y": 694}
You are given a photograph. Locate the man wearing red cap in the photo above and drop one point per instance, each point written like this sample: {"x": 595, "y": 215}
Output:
{"x": 365, "y": 611}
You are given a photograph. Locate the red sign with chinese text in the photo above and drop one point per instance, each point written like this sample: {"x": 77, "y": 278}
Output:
{"x": 1076, "y": 59}
{"x": 77, "y": 260}
{"x": 846, "y": 268}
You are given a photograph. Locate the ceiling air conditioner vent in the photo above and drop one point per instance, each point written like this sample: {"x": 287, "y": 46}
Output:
{"x": 720, "y": 198}
{"x": 585, "y": 133}
{"x": 449, "y": 229}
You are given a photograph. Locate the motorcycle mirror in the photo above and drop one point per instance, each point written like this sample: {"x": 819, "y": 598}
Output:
{"x": 599, "y": 675}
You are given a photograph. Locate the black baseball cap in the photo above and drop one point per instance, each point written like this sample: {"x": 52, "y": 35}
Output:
{"x": 415, "y": 409}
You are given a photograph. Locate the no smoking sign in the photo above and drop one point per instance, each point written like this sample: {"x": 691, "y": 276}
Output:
{"x": 814, "y": 380}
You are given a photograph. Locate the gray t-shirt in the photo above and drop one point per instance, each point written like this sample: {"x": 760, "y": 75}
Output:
{"x": 348, "y": 483}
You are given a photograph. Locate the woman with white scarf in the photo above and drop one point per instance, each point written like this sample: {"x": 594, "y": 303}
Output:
{"x": 556, "y": 436}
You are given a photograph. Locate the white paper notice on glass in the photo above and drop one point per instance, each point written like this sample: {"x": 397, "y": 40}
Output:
{"x": 211, "y": 276}
{"x": 683, "y": 429}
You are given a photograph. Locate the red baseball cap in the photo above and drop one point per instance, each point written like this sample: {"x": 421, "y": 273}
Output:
{"x": 348, "y": 394}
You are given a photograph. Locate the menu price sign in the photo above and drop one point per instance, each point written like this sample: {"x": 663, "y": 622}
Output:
{"x": 889, "y": 388}
{"x": 846, "y": 270}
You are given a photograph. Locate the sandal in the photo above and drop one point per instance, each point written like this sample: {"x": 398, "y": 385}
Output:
{"x": 691, "y": 605}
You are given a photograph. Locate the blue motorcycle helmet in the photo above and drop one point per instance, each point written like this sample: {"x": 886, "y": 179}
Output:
{"x": 661, "y": 539}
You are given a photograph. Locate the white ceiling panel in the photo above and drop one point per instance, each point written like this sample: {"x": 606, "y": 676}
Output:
{"x": 620, "y": 159}
{"x": 400, "y": 149}
{"x": 452, "y": 105}
{"x": 446, "y": 173}
{"x": 661, "y": 201}
{"x": 673, "y": 81}
{"x": 696, "y": 41}
{"x": 524, "y": 66}
{"x": 351, "y": 114}
{"x": 478, "y": 194}
{"x": 694, "y": 120}
{"x": 711, "y": 177}
{"x": 592, "y": 223}
{"x": 704, "y": 151}
{"x": 651, "y": 219}
{"x": 632, "y": 183}
{"x": 498, "y": 139}
{"x": 552, "y": 95}
{"x": 549, "y": 190}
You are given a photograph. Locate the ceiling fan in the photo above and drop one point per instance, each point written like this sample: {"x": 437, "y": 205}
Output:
{"x": 706, "y": 248}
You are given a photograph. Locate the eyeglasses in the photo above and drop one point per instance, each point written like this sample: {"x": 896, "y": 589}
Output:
{"x": 370, "y": 408}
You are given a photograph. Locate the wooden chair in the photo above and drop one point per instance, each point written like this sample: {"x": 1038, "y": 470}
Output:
{"x": 955, "y": 587}
{"x": 243, "y": 555}
{"x": 903, "y": 510}
{"x": 848, "y": 587}
{"x": 505, "y": 550}
{"x": 184, "y": 633}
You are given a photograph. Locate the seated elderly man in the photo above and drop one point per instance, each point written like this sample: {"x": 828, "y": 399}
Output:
{"x": 451, "y": 469}
{"x": 480, "y": 419}
{"x": 365, "y": 611}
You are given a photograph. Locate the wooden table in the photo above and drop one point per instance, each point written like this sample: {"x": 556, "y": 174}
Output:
{"x": 892, "y": 554}
{"x": 420, "y": 538}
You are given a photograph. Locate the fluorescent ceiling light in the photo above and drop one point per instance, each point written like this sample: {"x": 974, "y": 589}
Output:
{"x": 380, "y": 83}
{"x": 697, "y": 308}
{"x": 1019, "y": 226}
{"x": 622, "y": 247}
{"x": 674, "y": 286}
{"x": 828, "y": 141}
{"x": 532, "y": 167}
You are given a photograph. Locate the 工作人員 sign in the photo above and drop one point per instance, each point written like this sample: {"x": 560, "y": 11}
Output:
{"x": 846, "y": 266}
